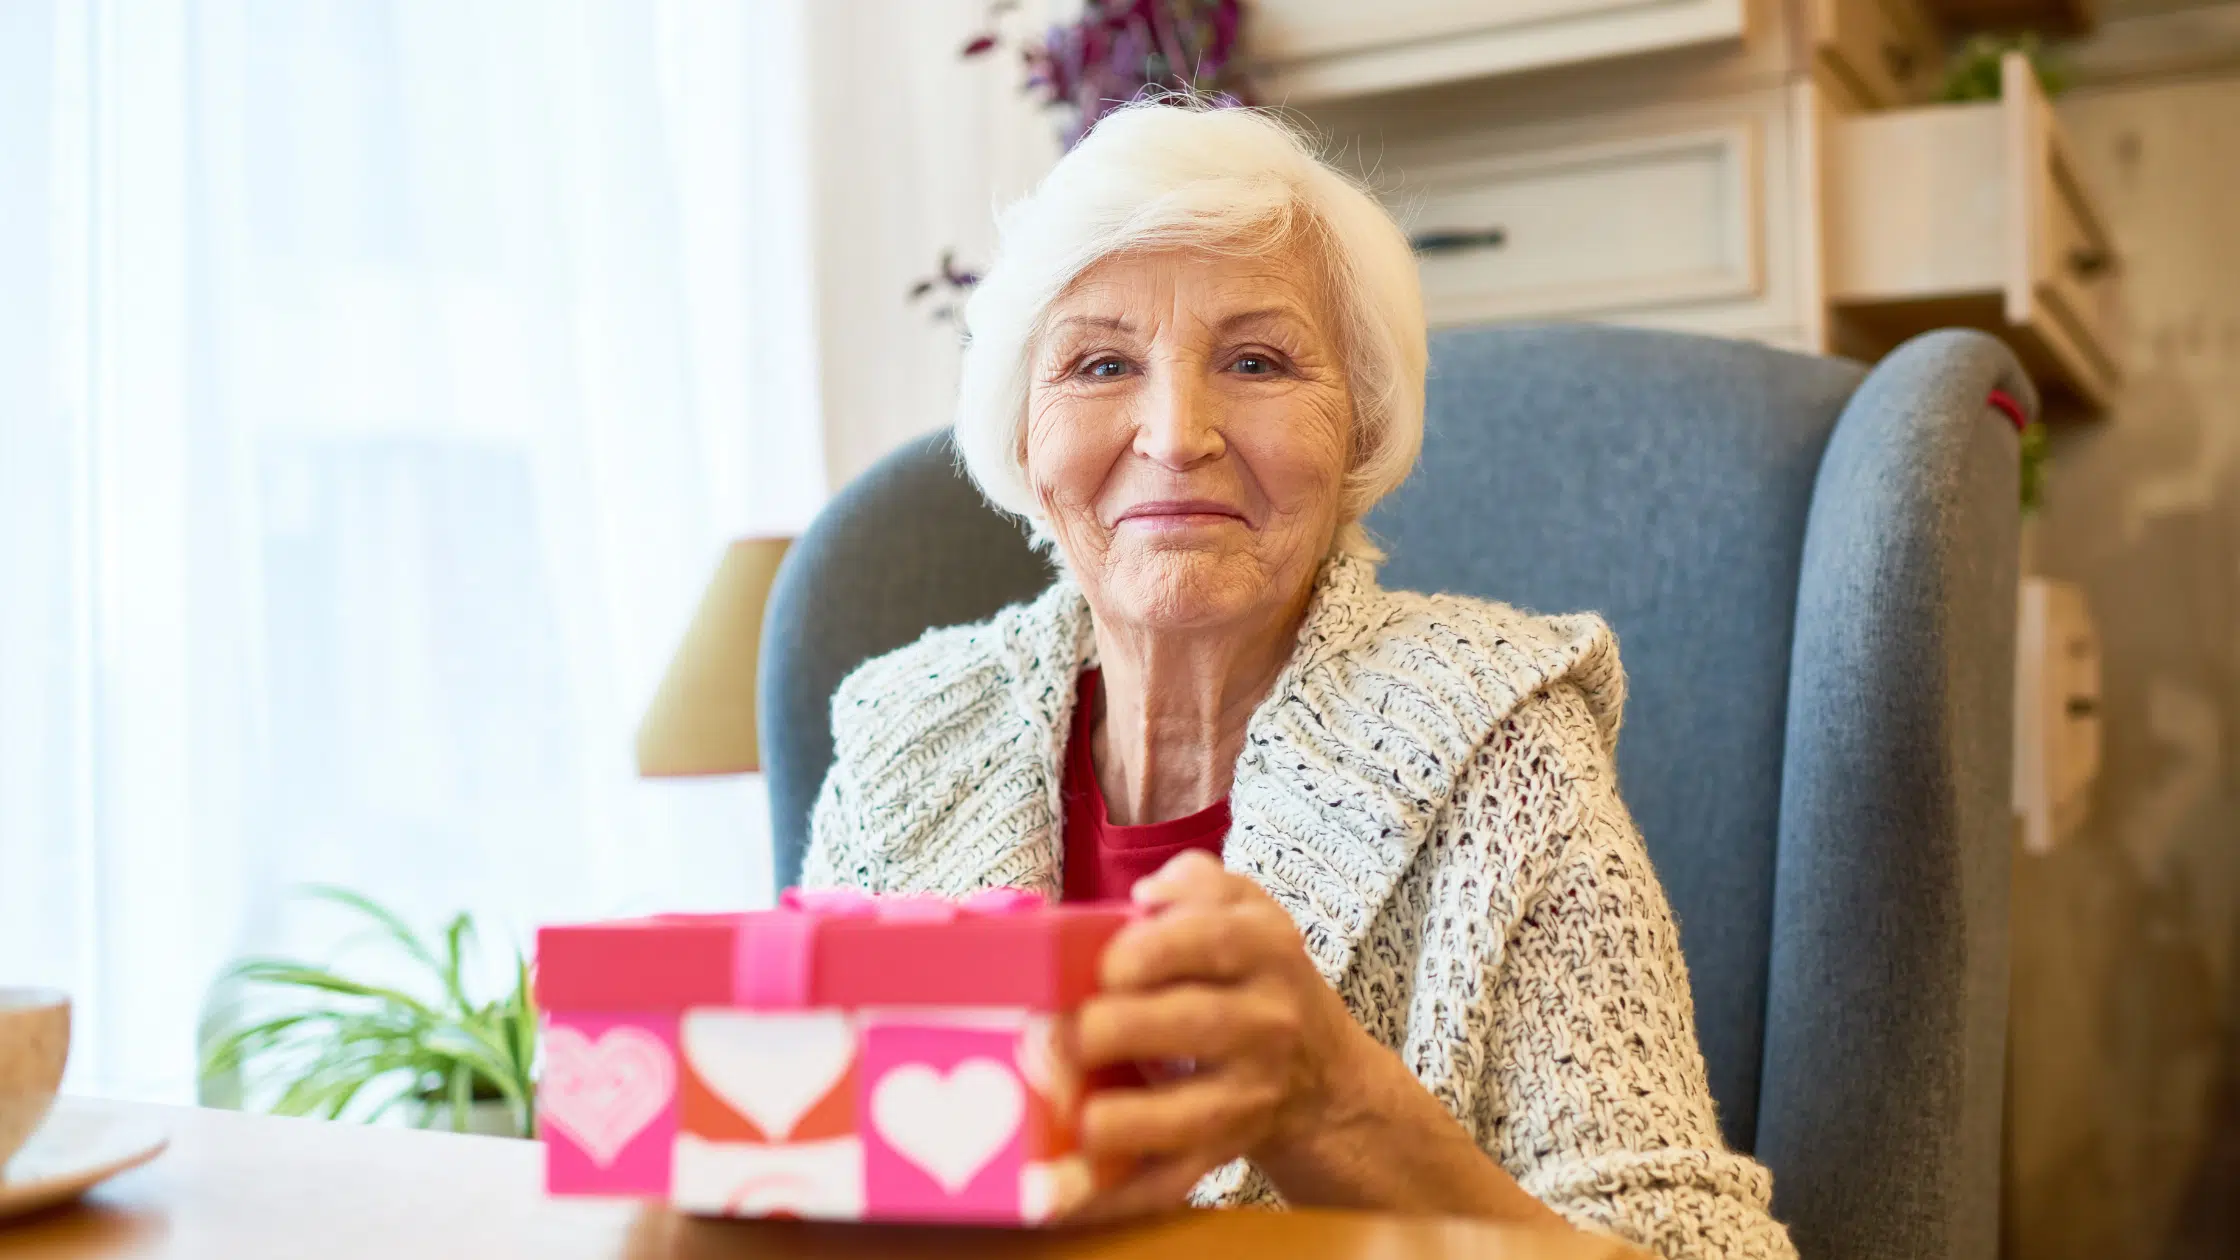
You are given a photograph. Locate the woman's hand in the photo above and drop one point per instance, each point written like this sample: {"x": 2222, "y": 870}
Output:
{"x": 1265, "y": 1062}
{"x": 1218, "y": 986}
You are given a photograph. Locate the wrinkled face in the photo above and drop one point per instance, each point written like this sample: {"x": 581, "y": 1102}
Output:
{"x": 1188, "y": 433}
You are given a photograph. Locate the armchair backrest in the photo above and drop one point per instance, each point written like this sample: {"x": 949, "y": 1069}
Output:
{"x": 1811, "y": 571}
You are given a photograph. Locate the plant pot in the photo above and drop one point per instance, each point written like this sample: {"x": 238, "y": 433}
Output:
{"x": 490, "y": 1117}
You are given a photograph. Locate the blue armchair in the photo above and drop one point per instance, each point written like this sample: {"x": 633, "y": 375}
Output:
{"x": 1811, "y": 568}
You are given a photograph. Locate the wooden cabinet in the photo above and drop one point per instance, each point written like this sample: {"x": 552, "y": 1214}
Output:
{"x": 2053, "y": 17}
{"x": 1774, "y": 171}
{"x": 1877, "y": 53}
{"x": 1309, "y": 50}
{"x": 1598, "y": 227}
{"x": 1974, "y": 215}
{"x": 1659, "y": 218}
{"x": 2056, "y": 710}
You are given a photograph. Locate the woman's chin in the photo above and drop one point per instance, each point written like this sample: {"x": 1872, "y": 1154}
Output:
{"x": 1176, "y": 585}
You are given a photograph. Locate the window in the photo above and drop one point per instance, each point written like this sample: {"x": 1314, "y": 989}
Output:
{"x": 379, "y": 382}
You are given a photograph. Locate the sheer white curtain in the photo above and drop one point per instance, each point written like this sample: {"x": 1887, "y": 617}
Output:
{"x": 379, "y": 380}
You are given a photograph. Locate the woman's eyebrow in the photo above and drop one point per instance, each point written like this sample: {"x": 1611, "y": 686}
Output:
{"x": 1261, "y": 314}
{"x": 1117, "y": 323}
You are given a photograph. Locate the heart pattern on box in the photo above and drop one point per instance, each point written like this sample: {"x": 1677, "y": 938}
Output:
{"x": 603, "y": 1093}
{"x": 770, "y": 1068}
{"x": 950, "y": 1125}
{"x": 811, "y": 1180}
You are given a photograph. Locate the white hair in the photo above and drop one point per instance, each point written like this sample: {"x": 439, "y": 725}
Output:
{"x": 1173, "y": 174}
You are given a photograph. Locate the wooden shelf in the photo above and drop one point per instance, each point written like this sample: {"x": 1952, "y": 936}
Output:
{"x": 1306, "y": 51}
{"x": 2051, "y": 17}
{"x": 1974, "y": 215}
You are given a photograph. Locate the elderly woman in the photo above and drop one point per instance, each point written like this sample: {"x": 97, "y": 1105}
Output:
{"x": 1408, "y": 952}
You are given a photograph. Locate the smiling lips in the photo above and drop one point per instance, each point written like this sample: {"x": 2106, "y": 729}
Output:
{"x": 1178, "y": 514}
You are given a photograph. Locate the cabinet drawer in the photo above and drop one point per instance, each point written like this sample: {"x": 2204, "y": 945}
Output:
{"x": 1674, "y": 216}
{"x": 1974, "y": 214}
{"x": 1311, "y": 50}
{"x": 2056, "y": 710}
{"x": 1594, "y": 228}
{"x": 2071, "y": 262}
{"x": 1881, "y": 53}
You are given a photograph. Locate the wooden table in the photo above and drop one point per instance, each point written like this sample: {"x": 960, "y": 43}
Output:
{"x": 241, "y": 1187}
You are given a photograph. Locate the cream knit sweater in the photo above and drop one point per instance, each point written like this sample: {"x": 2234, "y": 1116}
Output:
{"x": 1429, "y": 791}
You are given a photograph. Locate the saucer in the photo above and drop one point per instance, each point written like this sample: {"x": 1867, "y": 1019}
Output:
{"x": 79, "y": 1147}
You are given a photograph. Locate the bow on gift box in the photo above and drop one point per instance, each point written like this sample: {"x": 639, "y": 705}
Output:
{"x": 772, "y": 967}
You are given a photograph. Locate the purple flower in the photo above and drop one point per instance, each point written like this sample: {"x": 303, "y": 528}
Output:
{"x": 1117, "y": 51}
{"x": 1120, "y": 50}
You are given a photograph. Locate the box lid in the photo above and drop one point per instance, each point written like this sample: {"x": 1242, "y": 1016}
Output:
{"x": 844, "y": 950}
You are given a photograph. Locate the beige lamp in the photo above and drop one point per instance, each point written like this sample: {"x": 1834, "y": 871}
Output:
{"x": 702, "y": 721}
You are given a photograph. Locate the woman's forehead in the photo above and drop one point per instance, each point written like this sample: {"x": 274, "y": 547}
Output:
{"x": 1126, "y": 291}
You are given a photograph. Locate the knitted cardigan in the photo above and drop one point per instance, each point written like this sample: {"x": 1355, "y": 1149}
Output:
{"x": 1429, "y": 790}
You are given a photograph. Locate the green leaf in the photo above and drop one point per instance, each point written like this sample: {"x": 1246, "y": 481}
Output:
{"x": 456, "y": 937}
{"x": 225, "y": 1052}
{"x": 419, "y": 1091}
{"x": 525, "y": 1009}
{"x": 308, "y": 1094}
{"x": 462, "y": 1094}
{"x": 351, "y": 1039}
{"x": 475, "y": 1048}
{"x": 524, "y": 1016}
{"x": 342, "y": 1099}
{"x": 284, "y": 973}
{"x": 1974, "y": 73}
{"x": 391, "y": 922}
{"x": 344, "y": 1071}
{"x": 2034, "y": 452}
{"x": 403, "y": 1095}
{"x": 247, "y": 970}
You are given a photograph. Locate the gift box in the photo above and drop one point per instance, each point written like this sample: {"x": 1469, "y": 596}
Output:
{"x": 842, "y": 1057}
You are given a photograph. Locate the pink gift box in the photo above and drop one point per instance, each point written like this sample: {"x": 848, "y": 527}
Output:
{"x": 842, "y": 1057}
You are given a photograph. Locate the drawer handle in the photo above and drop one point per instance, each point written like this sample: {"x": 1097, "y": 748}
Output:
{"x": 1899, "y": 61}
{"x": 2088, "y": 262}
{"x": 1458, "y": 241}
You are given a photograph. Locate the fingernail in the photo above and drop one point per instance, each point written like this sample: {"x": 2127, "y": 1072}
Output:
{"x": 1159, "y": 883}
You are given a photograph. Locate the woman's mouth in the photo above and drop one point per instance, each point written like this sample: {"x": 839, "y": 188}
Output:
{"x": 1180, "y": 514}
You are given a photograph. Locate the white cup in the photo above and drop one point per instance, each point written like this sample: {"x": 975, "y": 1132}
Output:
{"x": 34, "y": 1044}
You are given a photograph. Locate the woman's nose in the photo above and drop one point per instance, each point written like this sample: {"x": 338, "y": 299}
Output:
{"x": 1180, "y": 424}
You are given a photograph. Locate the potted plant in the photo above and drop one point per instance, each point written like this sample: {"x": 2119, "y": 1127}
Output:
{"x": 309, "y": 1040}
{"x": 1108, "y": 53}
{"x": 1975, "y": 75}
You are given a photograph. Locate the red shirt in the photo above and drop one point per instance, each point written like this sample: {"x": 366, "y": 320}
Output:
{"x": 1103, "y": 861}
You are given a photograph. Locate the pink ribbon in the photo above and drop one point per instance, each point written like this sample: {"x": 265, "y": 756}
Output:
{"x": 770, "y": 968}
{"x": 850, "y": 903}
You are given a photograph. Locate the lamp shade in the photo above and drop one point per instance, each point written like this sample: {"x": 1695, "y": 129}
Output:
{"x": 702, "y": 720}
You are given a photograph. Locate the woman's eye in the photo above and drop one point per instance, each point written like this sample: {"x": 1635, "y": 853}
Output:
{"x": 1254, "y": 364}
{"x": 1105, "y": 369}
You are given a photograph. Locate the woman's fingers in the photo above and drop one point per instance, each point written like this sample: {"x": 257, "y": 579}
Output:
{"x": 1202, "y": 1022}
{"x": 1217, "y": 1111}
{"x": 1160, "y": 1185}
{"x": 1192, "y": 875}
{"x": 1192, "y": 942}
{"x": 1218, "y": 977}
